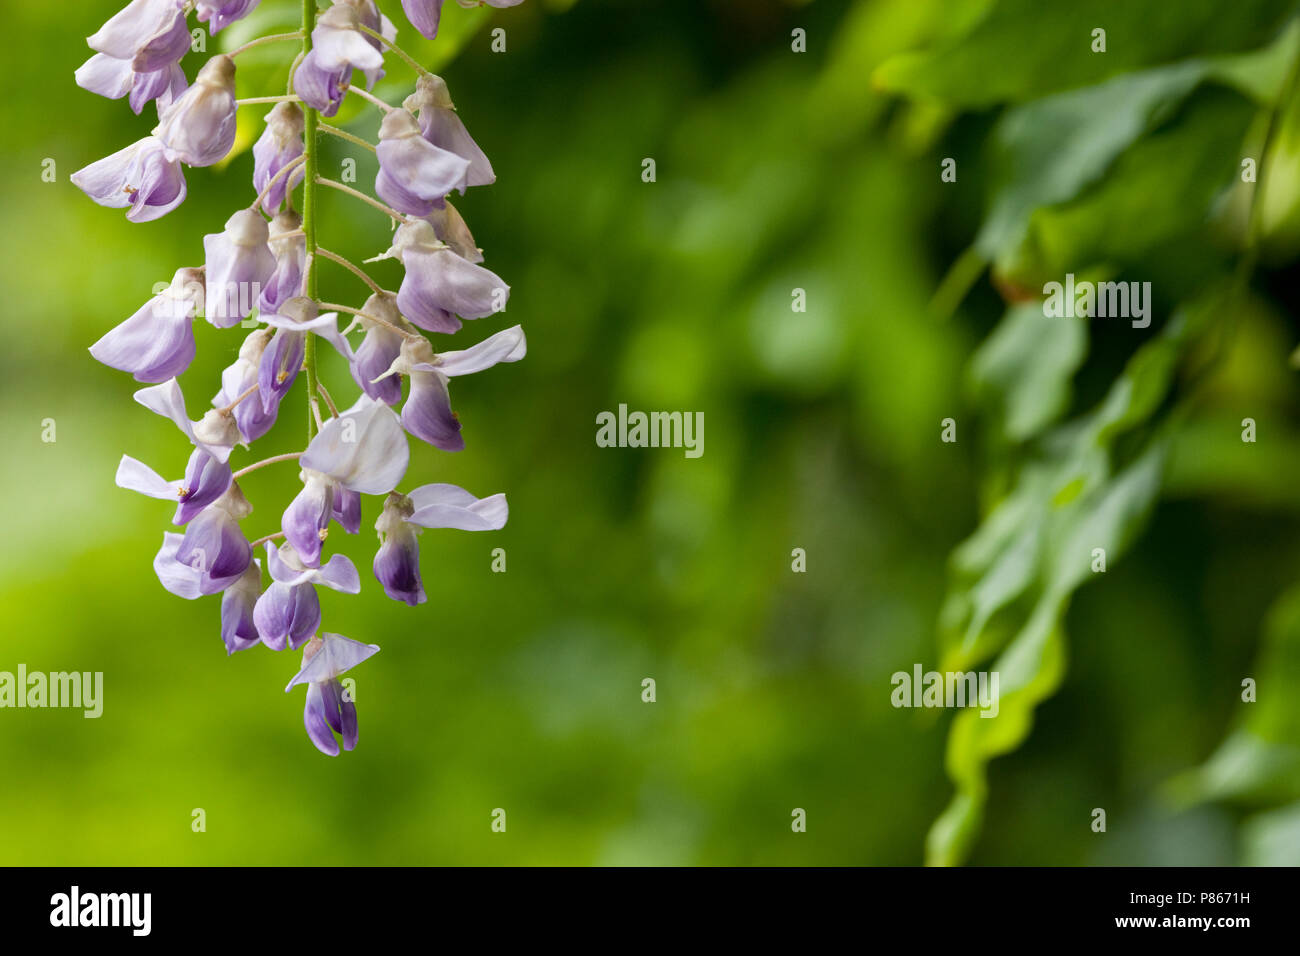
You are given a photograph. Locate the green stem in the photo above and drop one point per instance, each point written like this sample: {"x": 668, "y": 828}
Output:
{"x": 309, "y": 222}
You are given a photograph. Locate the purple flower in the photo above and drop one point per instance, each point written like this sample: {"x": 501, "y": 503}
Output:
{"x": 279, "y": 145}
{"x": 283, "y": 357}
{"x": 288, "y": 612}
{"x": 427, "y": 413}
{"x": 330, "y": 710}
{"x": 239, "y": 264}
{"x": 362, "y": 451}
{"x": 206, "y": 479}
{"x": 289, "y": 246}
{"x": 212, "y": 554}
{"x": 238, "y": 630}
{"x": 199, "y": 128}
{"x": 222, "y": 13}
{"x": 440, "y": 126}
{"x": 397, "y": 562}
{"x": 414, "y": 175}
{"x": 157, "y": 343}
{"x": 140, "y": 177}
{"x": 380, "y": 348}
{"x": 114, "y": 79}
{"x": 338, "y": 47}
{"x": 319, "y": 88}
{"x": 440, "y": 285}
{"x": 216, "y": 433}
{"x": 255, "y": 415}
{"x": 150, "y": 34}
{"x": 425, "y": 14}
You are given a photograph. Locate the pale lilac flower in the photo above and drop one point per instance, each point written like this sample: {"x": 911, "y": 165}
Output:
{"x": 206, "y": 479}
{"x": 427, "y": 413}
{"x": 380, "y": 348}
{"x": 212, "y": 554}
{"x": 157, "y": 343}
{"x": 216, "y": 433}
{"x": 115, "y": 79}
{"x": 222, "y": 13}
{"x": 140, "y": 178}
{"x": 150, "y": 34}
{"x": 288, "y": 612}
{"x": 397, "y": 562}
{"x": 425, "y": 14}
{"x": 255, "y": 415}
{"x": 362, "y": 451}
{"x": 440, "y": 285}
{"x": 329, "y": 709}
{"x": 238, "y": 630}
{"x": 440, "y": 126}
{"x": 283, "y": 356}
{"x": 414, "y": 175}
{"x": 239, "y": 264}
{"x": 289, "y": 246}
{"x": 338, "y": 48}
{"x": 199, "y": 128}
{"x": 279, "y": 145}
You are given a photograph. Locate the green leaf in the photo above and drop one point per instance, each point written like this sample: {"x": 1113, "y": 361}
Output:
{"x": 1023, "y": 369}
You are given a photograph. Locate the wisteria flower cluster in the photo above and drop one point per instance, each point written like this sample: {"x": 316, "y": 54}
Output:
{"x": 260, "y": 272}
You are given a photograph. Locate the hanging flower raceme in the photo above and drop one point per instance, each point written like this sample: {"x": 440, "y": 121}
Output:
{"x": 263, "y": 276}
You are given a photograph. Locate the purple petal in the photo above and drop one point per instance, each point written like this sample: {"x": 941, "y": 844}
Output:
{"x": 239, "y": 263}
{"x": 347, "y": 509}
{"x": 155, "y": 344}
{"x": 106, "y": 76}
{"x": 214, "y": 546}
{"x": 199, "y": 128}
{"x": 180, "y": 579}
{"x": 448, "y": 506}
{"x": 397, "y": 566}
{"x": 427, "y": 413}
{"x": 308, "y": 515}
{"x": 206, "y": 480}
{"x": 424, "y": 15}
{"x": 286, "y": 614}
{"x": 318, "y": 729}
{"x": 238, "y": 629}
{"x": 508, "y": 345}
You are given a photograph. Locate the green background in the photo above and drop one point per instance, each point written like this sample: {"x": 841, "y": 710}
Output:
{"x": 776, "y": 170}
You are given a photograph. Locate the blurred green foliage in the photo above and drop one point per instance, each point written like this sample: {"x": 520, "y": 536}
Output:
{"x": 775, "y": 171}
